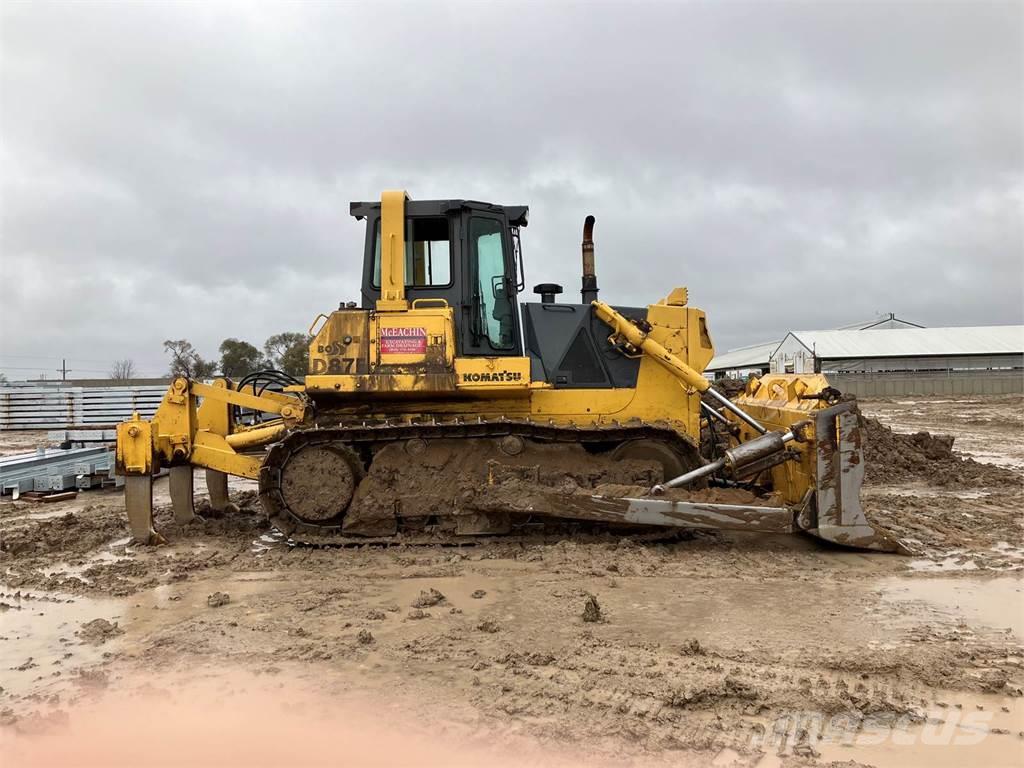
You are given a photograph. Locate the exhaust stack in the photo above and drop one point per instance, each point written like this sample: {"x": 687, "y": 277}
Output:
{"x": 589, "y": 289}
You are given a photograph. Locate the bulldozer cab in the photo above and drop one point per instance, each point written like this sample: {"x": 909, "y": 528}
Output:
{"x": 463, "y": 252}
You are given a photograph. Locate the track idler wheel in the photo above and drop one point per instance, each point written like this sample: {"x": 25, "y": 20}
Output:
{"x": 671, "y": 461}
{"x": 318, "y": 483}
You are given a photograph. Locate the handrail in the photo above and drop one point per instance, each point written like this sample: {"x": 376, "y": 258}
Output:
{"x": 417, "y": 302}
{"x": 315, "y": 320}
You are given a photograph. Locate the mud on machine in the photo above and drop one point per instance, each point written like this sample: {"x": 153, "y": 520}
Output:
{"x": 442, "y": 407}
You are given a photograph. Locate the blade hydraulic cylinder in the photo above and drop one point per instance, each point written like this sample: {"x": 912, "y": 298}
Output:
{"x": 768, "y": 444}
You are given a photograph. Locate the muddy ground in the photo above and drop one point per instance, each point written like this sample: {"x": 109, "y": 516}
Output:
{"x": 228, "y": 646}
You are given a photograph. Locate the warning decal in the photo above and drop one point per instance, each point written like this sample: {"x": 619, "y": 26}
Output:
{"x": 403, "y": 341}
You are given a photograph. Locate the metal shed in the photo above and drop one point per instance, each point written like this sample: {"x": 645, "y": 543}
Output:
{"x": 756, "y": 358}
{"x": 897, "y": 361}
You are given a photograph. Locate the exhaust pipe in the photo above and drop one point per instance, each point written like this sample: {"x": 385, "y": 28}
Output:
{"x": 589, "y": 289}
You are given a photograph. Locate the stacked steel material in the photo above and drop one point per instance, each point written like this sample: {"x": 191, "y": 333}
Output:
{"x": 64, "y": 407}
{"x": 55, "y": 469}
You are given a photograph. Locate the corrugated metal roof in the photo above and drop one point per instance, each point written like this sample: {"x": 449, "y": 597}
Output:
{"x": 888, "y": 320}
{"x": 758, "y": 355}
{"x": 910, "y": 342}
{"x": 754, "y": 356}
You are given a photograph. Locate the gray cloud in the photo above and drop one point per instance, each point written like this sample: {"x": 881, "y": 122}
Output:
{"x": 184, "y": 170}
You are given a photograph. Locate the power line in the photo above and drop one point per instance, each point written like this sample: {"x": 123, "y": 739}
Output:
{"x": 48, "y": 357}
{"x": 43, "y": 368}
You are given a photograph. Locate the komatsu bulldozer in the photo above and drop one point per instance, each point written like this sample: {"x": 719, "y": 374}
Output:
{"x": 441, "y": 407}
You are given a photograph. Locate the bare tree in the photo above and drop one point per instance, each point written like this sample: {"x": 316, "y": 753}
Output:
{"x": 122, "y": 370}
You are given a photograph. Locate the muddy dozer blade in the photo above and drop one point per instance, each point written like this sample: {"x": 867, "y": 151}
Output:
{"x": 830, "y": 511}
{"x": 836, "y": 514}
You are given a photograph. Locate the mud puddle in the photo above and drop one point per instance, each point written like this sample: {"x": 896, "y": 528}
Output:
{"x": 43, "y": 635}
{"x": 265, "y": 542}
{"x": 231, "y": 718}
{"x": 975, "y": 730}
{"x": 996, "y": 603}
{"x": 187, "y": 597}
{"x": 1002, "y": 556}
{"x": 726, "y": 613}
{"x": 741, "y": 614}
{"x": 43, "y": 515}
{"x": 40, "y": 643}
{"x": 921, "y": 491}
{"x": 112, "y": 554}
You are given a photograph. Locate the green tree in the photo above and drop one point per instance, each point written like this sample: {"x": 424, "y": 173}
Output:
{"x": 238, "y": 358}
{"x": 288, "y": 352}
{"x": 185, "y": 361}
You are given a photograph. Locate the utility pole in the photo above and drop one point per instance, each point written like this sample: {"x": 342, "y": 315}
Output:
{"x": 63, "y": 370}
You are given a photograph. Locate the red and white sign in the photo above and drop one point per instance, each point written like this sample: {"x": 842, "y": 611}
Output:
{"x": 403, "y": 341}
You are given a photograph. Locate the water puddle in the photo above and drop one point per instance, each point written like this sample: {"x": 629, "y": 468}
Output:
{"x": 997, "y": 603}
{"x": 38, "y": 644}
{"x": 45, "y": 514}
{"x": 40, "y": 649}
{"x": 78, "y": 571}
{"x": 469, "y": 594}
{"x": 113, "y": 552}
{"x": 171, "y": 603}
{"x": 924, "y": 492}
{"x": 970, "y": 730}
{"x": 268, "y": 541}
{"x": 955, "y": 560}
{"x": 1010, "y": 552}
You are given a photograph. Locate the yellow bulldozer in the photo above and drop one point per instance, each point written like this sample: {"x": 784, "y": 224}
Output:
{"x": 441, "y": 408}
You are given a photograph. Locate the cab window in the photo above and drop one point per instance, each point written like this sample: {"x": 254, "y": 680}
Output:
{"x": 428, "y": 256}
{"x": 489, "y": 282}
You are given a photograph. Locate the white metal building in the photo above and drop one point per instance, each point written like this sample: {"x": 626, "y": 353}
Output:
{"x": 990, "y": 347}
{"x": 899, "y": 359}
{"x": 742, "y": 361}
{"x": 756, "y": 358}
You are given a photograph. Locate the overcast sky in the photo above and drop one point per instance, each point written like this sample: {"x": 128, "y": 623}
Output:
{"x": 184, "y": 170}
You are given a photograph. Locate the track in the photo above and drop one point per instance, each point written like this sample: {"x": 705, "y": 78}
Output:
{"x": 360, "y": 447}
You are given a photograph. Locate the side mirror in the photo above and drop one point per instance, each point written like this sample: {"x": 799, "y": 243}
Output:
{"x": 498, "y": 287}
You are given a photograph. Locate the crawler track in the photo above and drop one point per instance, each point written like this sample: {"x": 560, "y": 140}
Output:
{"x": 364, "y": 440}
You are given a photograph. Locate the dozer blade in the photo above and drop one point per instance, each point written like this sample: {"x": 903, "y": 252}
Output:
{"x": 831, "y": 511}
{"x": 656, "y": 511}
{"x": 837, "y": 514}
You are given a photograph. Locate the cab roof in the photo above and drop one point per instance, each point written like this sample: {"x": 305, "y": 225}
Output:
{"x": 517, "y": 215}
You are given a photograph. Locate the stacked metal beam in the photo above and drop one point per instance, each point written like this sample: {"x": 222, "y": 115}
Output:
{"x": 53, "y": 469}
{"x": 82, "y": 436}
{"x": 68, "y": 407}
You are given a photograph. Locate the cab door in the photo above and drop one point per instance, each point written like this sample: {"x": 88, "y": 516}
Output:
{"x": 490, "y": 321}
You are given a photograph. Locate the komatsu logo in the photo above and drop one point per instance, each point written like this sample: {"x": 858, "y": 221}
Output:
{"x": 492, "y": 376}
